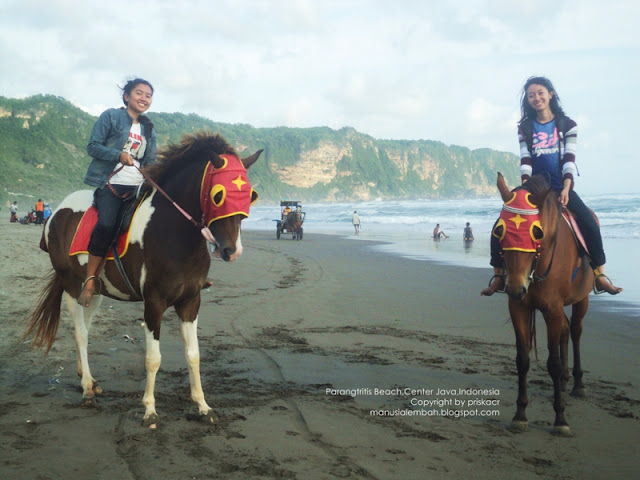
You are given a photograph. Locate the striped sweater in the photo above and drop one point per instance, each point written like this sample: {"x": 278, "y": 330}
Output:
{"x": 567, "y": 143}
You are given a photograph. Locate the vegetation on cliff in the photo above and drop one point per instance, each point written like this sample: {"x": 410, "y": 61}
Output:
{"x": 44, "y": 139}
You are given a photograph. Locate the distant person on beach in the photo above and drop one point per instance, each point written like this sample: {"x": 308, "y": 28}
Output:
{"x": 547, "y": 138}
{"x": 355, "y": 220}
{"x": 285, "y": 212}
{"x": 437, "y": 233}
{"x": 467, "y": 234}
{"x": 13, "y": 209}
{"x": 122, "y": 140}
{"x": 39, "y": 212}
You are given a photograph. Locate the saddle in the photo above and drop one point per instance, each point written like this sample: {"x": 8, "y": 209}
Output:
{"x": 80, "y": 242}
{"x": 575, "y": 229}
{"x": 578, "y": 237}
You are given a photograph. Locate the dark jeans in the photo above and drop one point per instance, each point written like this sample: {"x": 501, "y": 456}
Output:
{"x": 588, "y": 226}
{"x": 110, "y": 209}
{"x": 39, "y": 218}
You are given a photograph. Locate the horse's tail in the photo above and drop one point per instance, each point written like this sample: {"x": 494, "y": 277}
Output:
{"x": 45, "y": 318}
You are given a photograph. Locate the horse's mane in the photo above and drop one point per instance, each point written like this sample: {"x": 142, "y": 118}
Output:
{"x": 196, "y": 147}
{"x": 537, "y": 185}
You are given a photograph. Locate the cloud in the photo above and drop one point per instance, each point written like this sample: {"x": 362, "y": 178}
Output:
{"x": 447, "y": 71}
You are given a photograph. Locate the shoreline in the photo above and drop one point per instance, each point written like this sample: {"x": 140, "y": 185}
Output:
{"x": 285, "y": 332}
{"x": 392, "y": 247}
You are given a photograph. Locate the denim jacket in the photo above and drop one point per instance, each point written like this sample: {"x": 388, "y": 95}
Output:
{"x": 109, "y": 135}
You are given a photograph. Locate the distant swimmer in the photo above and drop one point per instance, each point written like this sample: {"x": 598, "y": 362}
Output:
{"x": 467, "y": 234}
{"x": 438, "y": 234}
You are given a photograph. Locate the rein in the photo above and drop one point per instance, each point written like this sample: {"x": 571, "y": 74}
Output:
{"x": 157, "y": 187}
{"x": 534, "y": 277}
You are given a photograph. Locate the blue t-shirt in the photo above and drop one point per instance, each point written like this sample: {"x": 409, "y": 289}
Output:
{"x": 545, "y": 156}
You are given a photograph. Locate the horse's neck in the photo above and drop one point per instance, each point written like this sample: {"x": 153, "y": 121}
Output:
{"x": 557, "y": 234}
{"x": 184, "y": 188}
{"x": 549, "y": 216}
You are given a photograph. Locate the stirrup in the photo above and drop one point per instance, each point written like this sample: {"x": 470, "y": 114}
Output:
{"x": 595, "y": 287}
{"x": 499, "y": 290}
{"x": 97, "y": 291}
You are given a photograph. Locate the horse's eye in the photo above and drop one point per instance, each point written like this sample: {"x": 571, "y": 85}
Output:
{"x": 499, "y": 230}
{"x": 536, "y": 231}
{"x": 218, "y": 194}
{"x": 254, "y": 196}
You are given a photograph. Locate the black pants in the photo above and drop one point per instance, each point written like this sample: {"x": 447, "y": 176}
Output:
{"x": 588, "y": 226}
{"x": 110, "y": 208}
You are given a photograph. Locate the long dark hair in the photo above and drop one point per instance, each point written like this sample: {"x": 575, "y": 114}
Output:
{"x": 527, "y": 111}
{"x": 131, "y": 84}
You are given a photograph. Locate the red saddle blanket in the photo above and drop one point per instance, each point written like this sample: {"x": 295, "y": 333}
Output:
{"x": 80, "y": 242}
{"x": 573, "y": 225}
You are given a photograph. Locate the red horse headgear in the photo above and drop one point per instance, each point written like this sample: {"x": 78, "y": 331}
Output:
{"x": 519, "y": 225}
{"x": 225, "y": 191}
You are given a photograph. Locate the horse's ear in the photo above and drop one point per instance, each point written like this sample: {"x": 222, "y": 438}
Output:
{"x": 505, "y": 193}
{"x": 247, "y": 162}
{"x": 216, "y": 161}
{"x": 538, "y": 198}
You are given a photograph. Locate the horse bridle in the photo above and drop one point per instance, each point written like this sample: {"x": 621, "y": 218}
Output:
{"x": 533, "y": 277}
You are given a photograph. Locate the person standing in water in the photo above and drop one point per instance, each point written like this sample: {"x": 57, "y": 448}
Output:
{"x": 355, "y": 220}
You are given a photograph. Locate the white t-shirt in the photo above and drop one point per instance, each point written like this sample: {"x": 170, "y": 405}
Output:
{"x": 135, "y": 146}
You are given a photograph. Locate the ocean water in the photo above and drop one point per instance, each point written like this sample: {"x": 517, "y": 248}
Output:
{"x": 406, "y": 227}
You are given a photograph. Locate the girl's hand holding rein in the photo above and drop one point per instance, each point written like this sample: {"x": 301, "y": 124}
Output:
{"x": 126, "y": 159}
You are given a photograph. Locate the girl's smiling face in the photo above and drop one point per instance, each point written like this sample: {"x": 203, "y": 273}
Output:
{"x": 140, "y": 99}
{"x": 539, "y": 97}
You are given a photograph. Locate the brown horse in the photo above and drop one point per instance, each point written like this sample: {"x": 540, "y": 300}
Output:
{"x": 293, "y": 224}
{"x": 167, "y": 260}
{"x": 545, "y": 272}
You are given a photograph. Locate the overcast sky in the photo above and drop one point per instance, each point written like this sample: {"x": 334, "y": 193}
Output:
{"x": 449, "y": 70}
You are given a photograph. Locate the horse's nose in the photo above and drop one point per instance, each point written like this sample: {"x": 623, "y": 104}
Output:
{"x": 227, "y": 253}
{"x": 517, "y": 293}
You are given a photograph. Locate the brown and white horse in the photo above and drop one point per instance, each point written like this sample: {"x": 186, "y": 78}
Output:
{"x": 167, "y": 260}
{"x": 544, "y": 271}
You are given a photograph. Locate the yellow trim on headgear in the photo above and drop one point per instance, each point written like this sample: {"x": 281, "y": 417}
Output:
{"x": 536, "y": 224}
{"x": 501, "y": 223}
{"x": 217, "y": 188}
{"x": 513, "y": 197}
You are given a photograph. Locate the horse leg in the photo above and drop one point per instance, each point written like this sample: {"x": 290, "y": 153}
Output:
{"x": 557, "y": 328}
{"x": 564, "y": 356}
{"x": 82, "y": 322}
{"x": 152, "y": 317}
{"x": 189, "y": 331}
{"x": 578, "y": 311}
{"x": 520, "y": 317}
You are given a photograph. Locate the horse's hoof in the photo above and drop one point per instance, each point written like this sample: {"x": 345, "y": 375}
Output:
{"x": 579, "y": 392}
{"x": 150, "y": 421}
{"x": 209, "y": 418}
{"x": 562, "y": 431}
{"x": 518, "y": 426}
{"x": 97, "y": 389}
{"x": 89, "y": 402}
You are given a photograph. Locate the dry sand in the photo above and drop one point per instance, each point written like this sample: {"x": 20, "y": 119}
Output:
{"x": 282, "y": 325}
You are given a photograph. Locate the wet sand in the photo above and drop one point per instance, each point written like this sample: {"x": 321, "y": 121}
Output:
{"x": 289, "y": 334}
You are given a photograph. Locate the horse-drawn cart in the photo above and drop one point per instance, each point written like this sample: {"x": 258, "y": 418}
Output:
{"x": 291, "y": 219}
